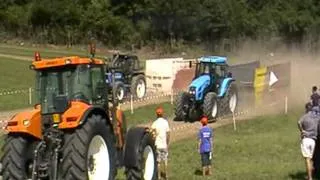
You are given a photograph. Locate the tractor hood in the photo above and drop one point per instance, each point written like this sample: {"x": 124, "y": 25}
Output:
{"x": 200, "y": 84}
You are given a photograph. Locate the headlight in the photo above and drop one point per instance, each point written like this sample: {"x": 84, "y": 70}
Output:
{"x": 192, "y": 90}
{"x": 26, "y": 122}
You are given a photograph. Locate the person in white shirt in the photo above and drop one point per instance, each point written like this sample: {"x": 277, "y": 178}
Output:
{"x": 161, "y": 130}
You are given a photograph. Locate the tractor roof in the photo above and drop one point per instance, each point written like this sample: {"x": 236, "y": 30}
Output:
{"x": 213, "y": 59}
{"x": 39, "y": 63}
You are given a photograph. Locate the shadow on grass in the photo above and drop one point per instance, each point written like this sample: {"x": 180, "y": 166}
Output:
{"x": 185, "y": 121}
{"x": 299, "y": 175}
{"x": 198, "y": 172}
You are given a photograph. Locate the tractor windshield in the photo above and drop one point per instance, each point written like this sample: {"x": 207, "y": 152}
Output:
{"x": 205, "y": 68}
{"x": 56, "y": 86}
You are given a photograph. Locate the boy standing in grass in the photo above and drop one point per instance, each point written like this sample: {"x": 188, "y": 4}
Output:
{"x": 308, "y": 126}
{"x": 205, "y": 145}
{"x": 161, "y": 130}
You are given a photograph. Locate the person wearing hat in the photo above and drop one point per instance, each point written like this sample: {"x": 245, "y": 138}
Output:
{"x": 205, "y": 146}
{"x": 315, "y": 97}
{"x": 161, "y": 130}
{"x": 308, "y": 126}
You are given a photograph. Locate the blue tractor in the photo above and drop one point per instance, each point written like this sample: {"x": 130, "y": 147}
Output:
{"x": 212, "y": 92}
{"x": 128, "y": 75}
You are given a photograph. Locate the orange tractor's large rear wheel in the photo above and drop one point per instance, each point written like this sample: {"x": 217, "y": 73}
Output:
{"x": 89, "y": 152}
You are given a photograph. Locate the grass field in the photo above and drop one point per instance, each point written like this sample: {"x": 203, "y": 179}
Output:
{"x": 45, "y": 52}
{"x": 146, "y": 114}
{"x": 263, "y": 148}
{"x": 15, "y": 75}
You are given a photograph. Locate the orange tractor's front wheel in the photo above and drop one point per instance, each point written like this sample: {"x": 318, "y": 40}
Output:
{"x": 89, "y": 151}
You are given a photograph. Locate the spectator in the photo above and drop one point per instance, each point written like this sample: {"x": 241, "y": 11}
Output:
{"x": 308, "y": 126}
{"x": 308, "y": 107}
{"x": 205, "y": 145}
{"x": 315, "y": 97}
{"x": 161, "y": 130}
{"x": 316, "y": 155}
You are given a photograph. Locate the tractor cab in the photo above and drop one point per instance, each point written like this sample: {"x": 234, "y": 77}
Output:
{"x": 61, "y": 81}
{"x": 214, "y": 66}
{"x": 209, "y": 73}
{"x": 127, "y": 62}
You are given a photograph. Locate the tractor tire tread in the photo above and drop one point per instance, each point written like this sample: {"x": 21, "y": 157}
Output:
{"x": 136, "y": 173}
{"x": 208, "y": 104}
{"x": 134, "y": 84}
{"x": 225, "y": 102}
{"x": 73, "y": 164}
{"x": 179, "y": 103}
{"x": 13, "y": 157}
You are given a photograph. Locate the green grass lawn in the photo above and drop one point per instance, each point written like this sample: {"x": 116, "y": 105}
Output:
{"x": 15, "y": 75}
{"x": 45, "y": 52}
{"x": 146, "y": 114}
{"x": 263, "y": 148}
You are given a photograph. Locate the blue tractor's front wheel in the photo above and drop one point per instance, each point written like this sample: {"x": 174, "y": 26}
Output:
{"x": 181, "y": 106}
{"x": 210, "y": 106}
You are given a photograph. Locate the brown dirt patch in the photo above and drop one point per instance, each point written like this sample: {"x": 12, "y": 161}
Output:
{"x": 183, "y": 78}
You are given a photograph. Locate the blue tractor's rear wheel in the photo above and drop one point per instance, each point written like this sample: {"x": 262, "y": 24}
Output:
{"x": 230, "y": 101}
{"x": 210, "y": 106}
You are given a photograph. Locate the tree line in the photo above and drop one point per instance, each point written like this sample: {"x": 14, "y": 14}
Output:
{"x": 143, "y": 22}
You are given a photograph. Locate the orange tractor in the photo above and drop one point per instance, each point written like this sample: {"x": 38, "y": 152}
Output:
{"x": 73, "y": 133}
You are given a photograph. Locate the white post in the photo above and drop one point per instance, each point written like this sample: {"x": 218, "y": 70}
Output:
{"x": 30, "y": 95}
{"x": 131, "y": 103}
{"x": 234, "y": 121}
{"x": 286, "y": 105}
{"x": 171, "y": 97}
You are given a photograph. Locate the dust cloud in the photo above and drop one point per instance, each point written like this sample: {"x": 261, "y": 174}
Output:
{"x": 305, "y": 67}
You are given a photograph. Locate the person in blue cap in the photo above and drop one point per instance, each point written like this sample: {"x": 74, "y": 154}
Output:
{"x": 308, "y": 126}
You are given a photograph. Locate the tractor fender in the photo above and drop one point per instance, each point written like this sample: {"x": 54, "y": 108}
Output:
{"x": 94, "y": 110}
{"x": 224, "y": 86}
{"x": 131, "y": 151}
{"x": 78, "y": 114}
{"x": 27, "y": 122}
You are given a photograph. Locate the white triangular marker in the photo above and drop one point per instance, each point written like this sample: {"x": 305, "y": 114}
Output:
{"x": 273, "y": 78}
